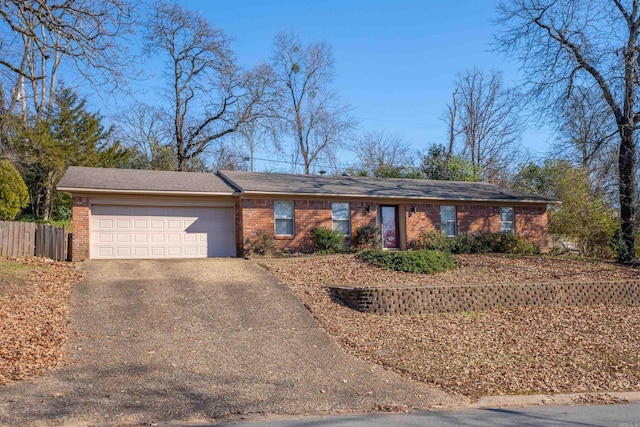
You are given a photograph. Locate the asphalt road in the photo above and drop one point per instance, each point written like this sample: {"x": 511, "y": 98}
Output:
{"x": 194, "y": 341}
{"x": 627, "y": 415}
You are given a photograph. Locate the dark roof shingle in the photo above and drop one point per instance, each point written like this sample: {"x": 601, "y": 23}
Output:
{"x": 131, "y": 180}
{"x": 350, "y": 186}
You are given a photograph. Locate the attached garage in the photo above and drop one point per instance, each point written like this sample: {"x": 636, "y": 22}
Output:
{"x": 121, "y": 232}
{"x": 135, "y": 214}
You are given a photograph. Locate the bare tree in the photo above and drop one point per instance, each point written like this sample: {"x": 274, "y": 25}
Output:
{"x": 211, "y": 95}
{"x": 451, "y": 119}
{"x": 38, "y": 37}
{"x": 146, "y": 131}
{"x": 483, "y": 117}
{"x": 587, "y": 138}
{"x": 591, "y": 43}
{"x": 312, "y": 113}
{"x": 256, "y": 135}
{"x": 379, "y": 151}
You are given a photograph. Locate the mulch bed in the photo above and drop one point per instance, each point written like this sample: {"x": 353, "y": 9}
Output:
{"x": 34, "y": 315}
{"x": 514, "y": 351}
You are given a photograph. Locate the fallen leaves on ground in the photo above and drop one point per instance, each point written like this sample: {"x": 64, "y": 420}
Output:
{"x": 598, "y": 399}
{"x": 34, "y": 315}
{"x": 514, "y": 351}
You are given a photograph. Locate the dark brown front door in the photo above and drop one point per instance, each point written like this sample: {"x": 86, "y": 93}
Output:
{"x": 389, "y": 222}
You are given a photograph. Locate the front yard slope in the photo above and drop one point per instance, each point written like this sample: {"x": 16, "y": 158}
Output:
{"x": 522, "y": 350}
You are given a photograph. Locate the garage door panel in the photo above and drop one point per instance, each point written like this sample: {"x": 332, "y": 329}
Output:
{"x": 174, "y": 224}
{"x": 140, "y": 224}
{"x": 105, "y": 224}
{"x": 140, "y": 238}
{"x": 160, "y": 252}
{"x": 105, "y": 237}
{"x": 141, "y": 252}
{"x": 161, "y": 232}
{"x": 106, "y": 252}
{"x": 123, "y": 252}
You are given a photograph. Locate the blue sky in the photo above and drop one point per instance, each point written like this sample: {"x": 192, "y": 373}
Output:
{"x": 395, "y": 61}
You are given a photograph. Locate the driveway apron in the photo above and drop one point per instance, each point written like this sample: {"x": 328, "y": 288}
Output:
{"x": 180, "y": 340}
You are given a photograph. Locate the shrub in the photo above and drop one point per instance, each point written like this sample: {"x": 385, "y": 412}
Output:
{"x": 419, "y": 261}
{"x": 263, "y": 244}
{"x": 509, "y": 243}
{"x": 328, "y": 241}
{"x": 367, "y": 237}
{"x": 13, "y": 192}
{"x": 483, "y": 242}
{"x": 477, "y": 243}
{"x": 434, "y": 240}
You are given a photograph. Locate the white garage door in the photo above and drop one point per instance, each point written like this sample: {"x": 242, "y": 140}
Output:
{"x": 161, "y": 232}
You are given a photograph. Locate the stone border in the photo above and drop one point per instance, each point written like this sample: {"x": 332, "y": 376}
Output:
{"x": 448, "y": 299}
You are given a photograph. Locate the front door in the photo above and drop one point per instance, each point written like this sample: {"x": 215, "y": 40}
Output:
{"x": 389, "y": 222}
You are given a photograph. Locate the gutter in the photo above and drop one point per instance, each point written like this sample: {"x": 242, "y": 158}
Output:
{"x": 151, "y": 192}
{"x": 365, "y": 196}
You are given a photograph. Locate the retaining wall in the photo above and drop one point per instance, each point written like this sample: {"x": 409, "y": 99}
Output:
{"x": 445, "y": 299}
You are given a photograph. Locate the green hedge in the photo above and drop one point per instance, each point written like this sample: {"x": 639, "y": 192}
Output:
{"x": 419, "y": 261}
{"x": 507, "y": 243}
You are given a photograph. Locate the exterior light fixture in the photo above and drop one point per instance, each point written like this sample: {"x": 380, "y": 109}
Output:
{"x": 369, "y": 208}
{"x": 413, "y": 210}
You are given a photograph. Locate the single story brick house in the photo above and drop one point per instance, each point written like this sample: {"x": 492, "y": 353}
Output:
{"x": 124, "y": 213}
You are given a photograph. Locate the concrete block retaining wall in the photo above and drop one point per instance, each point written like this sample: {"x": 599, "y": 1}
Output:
{"x": 445, "y": 299}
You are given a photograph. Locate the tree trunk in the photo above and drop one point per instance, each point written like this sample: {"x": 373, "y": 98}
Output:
{"x": 48, "y": 190}
{"x": 627, "y": 188}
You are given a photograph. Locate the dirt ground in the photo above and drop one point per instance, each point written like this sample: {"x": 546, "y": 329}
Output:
{"x": 34, "y": 315}
{"x": 515, "y": 351}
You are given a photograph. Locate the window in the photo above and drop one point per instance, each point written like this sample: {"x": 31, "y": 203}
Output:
{"x": 506, "y": 220}
{"x": 341, "y": 218}
{"x": 283, "y": 212}
{"x": 448, "y": 220}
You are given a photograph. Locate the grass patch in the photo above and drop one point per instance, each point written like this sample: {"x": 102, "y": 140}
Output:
{"x": 420, "y": 261}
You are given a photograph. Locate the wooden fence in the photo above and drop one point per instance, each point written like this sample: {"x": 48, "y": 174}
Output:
{"x": 29, "y": 239}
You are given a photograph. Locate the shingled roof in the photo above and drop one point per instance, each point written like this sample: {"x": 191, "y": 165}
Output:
{"x": 142, "y": 181}
{"x": 384, "y": 188}
{"x": 84, "y": 179}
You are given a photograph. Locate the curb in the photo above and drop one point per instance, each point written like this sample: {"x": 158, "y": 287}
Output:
{"x": 556, "y": 399}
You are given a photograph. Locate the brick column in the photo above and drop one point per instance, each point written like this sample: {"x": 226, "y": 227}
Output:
{"x": 80, "y": 228}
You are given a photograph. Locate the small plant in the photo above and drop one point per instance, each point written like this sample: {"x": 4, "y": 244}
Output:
{"x": 327, "y": 241}
{"x": 263, "y": 244}
{"x": 367, "y": 237}
{"x": 419, "y": 261}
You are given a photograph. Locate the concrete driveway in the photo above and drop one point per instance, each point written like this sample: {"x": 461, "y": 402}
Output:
{"x": 198, "y": 340}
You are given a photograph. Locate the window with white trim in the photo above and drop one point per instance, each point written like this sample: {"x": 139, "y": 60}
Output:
{"x": 283, "y": 214}
{"x": 341, "y": 217}
{"x": 448, "y": 220}
{"x": 506, "y": 220}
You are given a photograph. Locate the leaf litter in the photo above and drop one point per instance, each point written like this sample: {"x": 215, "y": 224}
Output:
{"x": 34, "y": 315}
{"x": 526, "y": 350}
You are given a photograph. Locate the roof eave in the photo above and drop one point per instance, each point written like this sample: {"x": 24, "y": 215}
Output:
{"x": 368, "y": 196}
{"x": 152, "y": 192}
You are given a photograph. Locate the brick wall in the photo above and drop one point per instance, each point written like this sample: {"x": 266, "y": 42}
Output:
{"x": 530, "y": 221}
{"x": 426, "y": 218}
{"x": 257, "y": 216}
{"x": 446, "y": 299}
{"x": 80, "y": 228}
{"x": 533, "y": 223}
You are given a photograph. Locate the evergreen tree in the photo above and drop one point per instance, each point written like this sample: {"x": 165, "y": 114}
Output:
{"x": 72, "y": 136}
{"x": 13, "y": 192}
